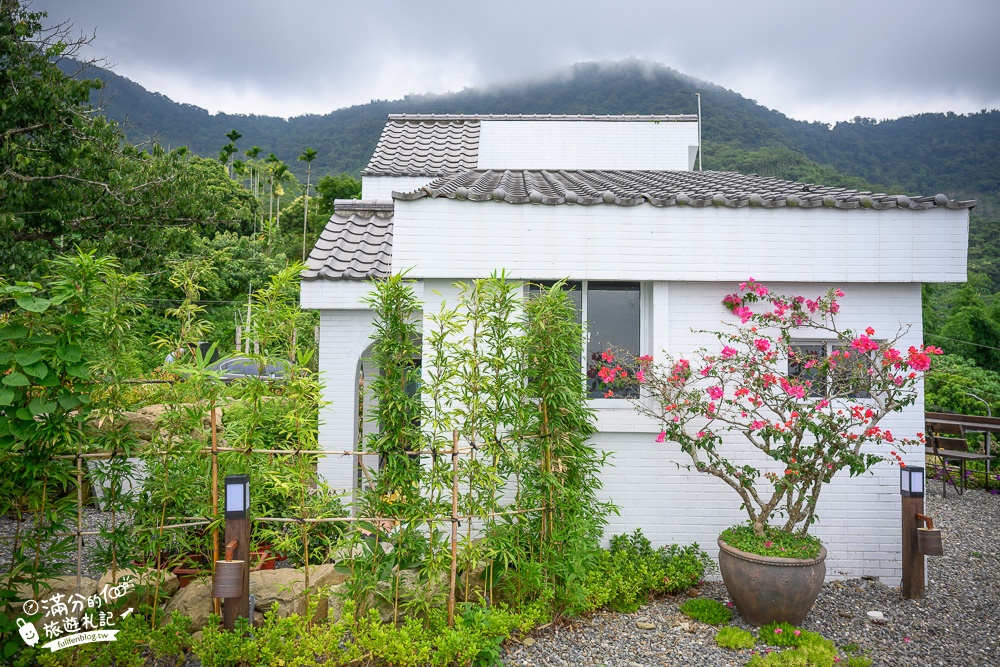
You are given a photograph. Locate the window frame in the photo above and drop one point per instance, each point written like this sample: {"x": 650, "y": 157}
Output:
{"x": 644, "y": 333}
{"x": 829, "y": 345}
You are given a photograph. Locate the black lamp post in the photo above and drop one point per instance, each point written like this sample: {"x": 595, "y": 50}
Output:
{"x": 238, "y": 528}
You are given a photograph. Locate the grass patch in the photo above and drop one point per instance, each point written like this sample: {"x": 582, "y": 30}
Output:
{"x": 735, "y": 638}
{"x": 708, "y": 611}
{"x": 773, "y": 542}
{"x": 803, "y": 648}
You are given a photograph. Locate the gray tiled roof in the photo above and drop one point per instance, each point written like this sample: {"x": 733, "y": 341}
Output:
{"x": 355, "y": 244}
{"x": 425, "y": 146}
{"x": 659, "y": 188}
{"x": 443, "y": 144}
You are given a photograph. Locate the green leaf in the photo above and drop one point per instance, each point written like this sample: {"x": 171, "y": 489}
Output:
{"x": 75, "y": 319}
{"x": 39, "y": 370}
{"x": 28, "y": 357}
{"x": 34, "y": 303}
{"x": 24, "y": 414}
{"x": 15, "y": 380}
{"x": 5, "y": 357}
{"x": 67, "y": 400}
{"x": 12, "y": 331}
{"x": 38, "y": 406}
{"x": 7, "y": 396}
{"x": 71, "y": 353}
{"x": 80, "y": 371}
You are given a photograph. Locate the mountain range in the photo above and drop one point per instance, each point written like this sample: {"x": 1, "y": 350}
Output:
{"x": 958, "y": 155}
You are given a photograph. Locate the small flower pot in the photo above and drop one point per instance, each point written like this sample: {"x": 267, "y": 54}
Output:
{"x": 264, "y": 560}
{"x": 767, "y": 589}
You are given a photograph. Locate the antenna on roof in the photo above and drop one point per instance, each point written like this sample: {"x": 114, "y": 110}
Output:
{"x": 698, "y": 95}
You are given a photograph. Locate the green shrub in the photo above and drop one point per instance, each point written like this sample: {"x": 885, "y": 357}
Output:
{"x": 708, "y": 611}
{"x": 735, "y": 638}
{"x": 631, "y": 572}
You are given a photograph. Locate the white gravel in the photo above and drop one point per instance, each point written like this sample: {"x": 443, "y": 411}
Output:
{"x": 957, "y": 623}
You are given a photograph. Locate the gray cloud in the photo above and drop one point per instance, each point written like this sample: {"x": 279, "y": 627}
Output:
{"x": 817, "y": 60}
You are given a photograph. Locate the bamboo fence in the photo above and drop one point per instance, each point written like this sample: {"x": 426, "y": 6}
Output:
{"x": 454, "y": 518}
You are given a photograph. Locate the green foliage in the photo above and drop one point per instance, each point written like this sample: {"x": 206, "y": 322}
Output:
{"x": 631, "y": 572}
{"x": 774, "y": 542}
{"x": 805, "y": 649}
{"x": 331, "y": 188}
{"x": 951, "y": 382}
{"x": 780, "y": 633}
{"x": 705, "y": 610}
{"x": 735, "y": 638}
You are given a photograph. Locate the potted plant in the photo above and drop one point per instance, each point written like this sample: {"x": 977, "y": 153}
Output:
{"x": 806, "y": 411}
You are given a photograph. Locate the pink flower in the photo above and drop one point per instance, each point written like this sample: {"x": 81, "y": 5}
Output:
{"x": 864, "y": 344}
{"x": 640, "y": 375}
{"x": 796, "y": 632}
{"x": 715, "y": 393}
{"x": 663, "y": 435}
{"x": 607, "y": 356}
{"x": 743, "y": 313}
{"x": 777, "y": 631}
{"x": 870, "y": 331}
{"x": 906, "y": 639}
{"x": 728, "y": 352}
{"x": 839, "y": 292}
{"x": 762, "y": 344}
{"x": 756, "y": 425}
{"x": 769, "y": 545}
{"x": 834, "y": 306}
{"x": 919, "y": 361}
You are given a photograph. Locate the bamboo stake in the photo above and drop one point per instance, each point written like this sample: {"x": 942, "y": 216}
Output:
{"x": 216, "y": 602}
{"x": 454, "y": 529}
{"x": 79, "y": 518}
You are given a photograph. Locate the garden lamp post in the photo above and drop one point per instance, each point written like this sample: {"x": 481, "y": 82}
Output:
{"x": 911, "y": 490}
{"x": 238, "y": 529}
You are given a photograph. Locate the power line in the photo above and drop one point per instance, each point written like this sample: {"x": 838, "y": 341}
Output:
{"x": 959, "y": 340}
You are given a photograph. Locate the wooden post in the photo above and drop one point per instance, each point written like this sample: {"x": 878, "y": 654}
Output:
{"x": 912, "y": 586}
{"x": 239, "y": 530}
{"x": 454, "y": 528}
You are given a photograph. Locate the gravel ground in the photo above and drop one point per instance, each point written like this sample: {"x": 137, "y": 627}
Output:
{"x": 957, "y": 623}
{"x": 92, "y": 520}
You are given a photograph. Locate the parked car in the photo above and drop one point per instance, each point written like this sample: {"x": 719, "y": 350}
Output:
{"x": 238, "y": 368}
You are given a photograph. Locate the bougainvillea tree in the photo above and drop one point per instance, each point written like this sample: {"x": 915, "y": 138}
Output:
{"x": 786, "y": 380}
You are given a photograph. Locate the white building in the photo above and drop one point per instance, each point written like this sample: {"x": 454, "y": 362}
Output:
{"x": 614, "y": 203}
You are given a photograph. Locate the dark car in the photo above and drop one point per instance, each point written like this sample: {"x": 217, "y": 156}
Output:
{"x": 238, "y": 368}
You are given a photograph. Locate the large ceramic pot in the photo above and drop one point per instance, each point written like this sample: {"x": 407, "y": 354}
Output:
{"x": 766, "y": 589}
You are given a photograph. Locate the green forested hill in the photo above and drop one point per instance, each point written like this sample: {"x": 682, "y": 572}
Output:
{"x": 930, "y": 153}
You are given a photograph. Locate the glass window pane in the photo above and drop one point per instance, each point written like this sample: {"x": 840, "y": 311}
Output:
{"x": 612, "y": 324}
{"x": 574, "y": 291}
{"x": 803, "y": 360}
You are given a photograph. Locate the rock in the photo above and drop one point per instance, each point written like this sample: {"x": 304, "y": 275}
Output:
{"x": 876, "y": 617}
{"x": 528, "y": 641}
{"x": 196, "y": 636}
{"x": 845, "y": 614}
{"x": 143, "y": 581}
{"x": 643, "y": 625}
{"x": 64, "y": 586}
{"x": 193, "y": 601}
{"x": 282, "y": 587}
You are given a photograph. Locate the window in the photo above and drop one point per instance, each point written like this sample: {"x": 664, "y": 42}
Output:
{"x": 847, "y": 376}
{"x": 611, "y": 311}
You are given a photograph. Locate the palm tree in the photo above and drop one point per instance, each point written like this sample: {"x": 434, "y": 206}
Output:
{"x": 308, "y": 156}
{"x": 272, "y": 161}
{"x": 279, "y": 175}
{"x": 232, "y": 135}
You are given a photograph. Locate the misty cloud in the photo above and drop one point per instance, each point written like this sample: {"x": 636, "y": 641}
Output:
{"x": 817, "y": 61}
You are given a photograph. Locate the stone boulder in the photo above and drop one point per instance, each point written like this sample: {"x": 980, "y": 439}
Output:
{"x": 193, "y": 601}
{"x": 64, "y": 586}
{"x": 141, "y": 583}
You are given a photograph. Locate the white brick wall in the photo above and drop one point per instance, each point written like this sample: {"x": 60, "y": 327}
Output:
{"x": 344, "y": 335}
{"x": 443, "y": 238}
{"x": 859, "y": 517}
{"x": 586, "y": 144}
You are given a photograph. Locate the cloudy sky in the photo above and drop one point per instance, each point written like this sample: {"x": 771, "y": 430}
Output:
{"x": 810, "y": 59}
